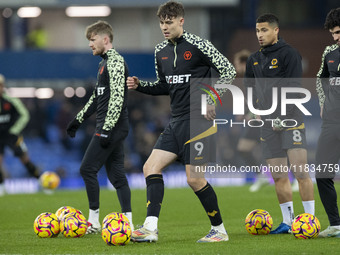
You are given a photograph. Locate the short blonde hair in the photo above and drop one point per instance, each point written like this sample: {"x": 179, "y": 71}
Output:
{"x": 2, "y": 79}
{"x": 98, "y": 28}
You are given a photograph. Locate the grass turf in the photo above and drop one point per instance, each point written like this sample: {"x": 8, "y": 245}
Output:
{"x": 182, "y": 222}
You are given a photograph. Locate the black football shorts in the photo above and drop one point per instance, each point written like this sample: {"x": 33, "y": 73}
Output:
{"x": 276, "y": 143}
{"x": 184, "y": 139}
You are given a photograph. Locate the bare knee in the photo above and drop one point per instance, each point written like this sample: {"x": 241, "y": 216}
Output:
{"x": 304, "y": 180}
{"x": 302, "y": 176}
{"x": 281, "y": 183}
{"x": 196, "y": 183}
{"x": 150, "y": 168}
{"x": 157, "y": 161}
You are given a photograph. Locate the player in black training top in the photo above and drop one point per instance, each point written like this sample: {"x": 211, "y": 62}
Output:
{"x": 108, "y": 100}
{"x": 278, "y": 65}
{"x": 13, "y": 119}
{"x": 179, "y": 59}
{"x": 328, "y": 149}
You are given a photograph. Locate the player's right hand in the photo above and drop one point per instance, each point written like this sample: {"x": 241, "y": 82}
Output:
{"x": 72, "y": 127}
{"x": 104, "y": 138}
{"x": 211, "y": 112}
{"x": 277, "y": 124}
{"x": 132, "y": 82}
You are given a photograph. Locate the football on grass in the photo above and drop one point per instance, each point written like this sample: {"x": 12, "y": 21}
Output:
{"x": 259, "y": 222}
{"x": 46, "y": 225}
{"x": 306, "y": 226}
{"x": 73, "y": 224}
{"x": 49, "y": 180}
{"x": 116, "y": 229}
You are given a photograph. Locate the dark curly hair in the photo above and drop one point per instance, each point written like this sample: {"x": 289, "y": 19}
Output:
{"x": 170, "y": 10}
{"x": 333, "y": 19}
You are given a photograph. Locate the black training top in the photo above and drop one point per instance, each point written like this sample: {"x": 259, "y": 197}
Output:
{"x": 189, "y": 57}
{"x": 109, "y": 97}
{"x": 328, "y": 84}
{"x": 13, "y": 115}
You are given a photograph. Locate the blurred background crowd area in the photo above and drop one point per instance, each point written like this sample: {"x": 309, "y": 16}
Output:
{"x": 47, "y": 63}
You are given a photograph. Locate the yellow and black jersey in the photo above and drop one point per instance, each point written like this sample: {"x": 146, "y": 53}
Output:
{"x": 109, "y": 97}
{"x": 177, "y": 63}
{"x": 328, "y": 84}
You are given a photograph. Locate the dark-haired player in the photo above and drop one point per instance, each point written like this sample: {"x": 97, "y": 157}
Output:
{"x": 179, "y": 59}
{"x": 328, "y": 149}
{"x": 278, "y": 65}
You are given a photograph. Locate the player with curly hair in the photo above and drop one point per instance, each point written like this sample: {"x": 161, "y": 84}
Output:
{"x": 328, "y": 149}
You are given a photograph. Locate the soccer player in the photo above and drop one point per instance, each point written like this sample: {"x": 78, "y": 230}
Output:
{"x": 109, "y": 101}
{"x": 278, "y": 65}
{"x": 13, "y": 119}
{"x": 328, "y": 149}
{"x": 181, "y": 57}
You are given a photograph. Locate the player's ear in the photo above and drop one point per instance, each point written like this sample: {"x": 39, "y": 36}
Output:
{"x": 276, "y": 30}
{"x": 181, "y": 21}
{"x": 106, "y": 39}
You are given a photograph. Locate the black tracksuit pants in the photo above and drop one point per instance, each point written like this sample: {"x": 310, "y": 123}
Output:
{"x": 113, "y": 158}
{"x": 327, "y": 159}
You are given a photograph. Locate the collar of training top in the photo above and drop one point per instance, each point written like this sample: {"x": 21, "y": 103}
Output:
{"x": 104, "y": 56}
{"x": 181, "y": 38}
{"x": 273, "y": 47}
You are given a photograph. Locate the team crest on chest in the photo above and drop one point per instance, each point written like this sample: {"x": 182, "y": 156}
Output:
{"x": 274, "y": 64}
{"x": 187, "y": 55}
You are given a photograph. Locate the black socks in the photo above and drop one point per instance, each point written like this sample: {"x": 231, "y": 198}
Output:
{"x": 155, "y": 193}
{"x": 208, "y": 198}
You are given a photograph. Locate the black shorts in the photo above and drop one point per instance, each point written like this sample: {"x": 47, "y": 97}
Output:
{"x": 16, "y": 143}
{"x": 177, "y": 138}
{"x": 276, "y": 143}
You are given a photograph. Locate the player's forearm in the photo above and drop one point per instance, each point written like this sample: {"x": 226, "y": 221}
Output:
{"x": 153, "y": 88}
{"x": 88, "y": 110}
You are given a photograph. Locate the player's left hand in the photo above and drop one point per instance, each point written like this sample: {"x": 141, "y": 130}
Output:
{"x": 211, "y": 113}
{"x": 104, "y": 139}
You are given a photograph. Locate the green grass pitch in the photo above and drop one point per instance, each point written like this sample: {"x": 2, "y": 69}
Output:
{"x": 182, "y": 223}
